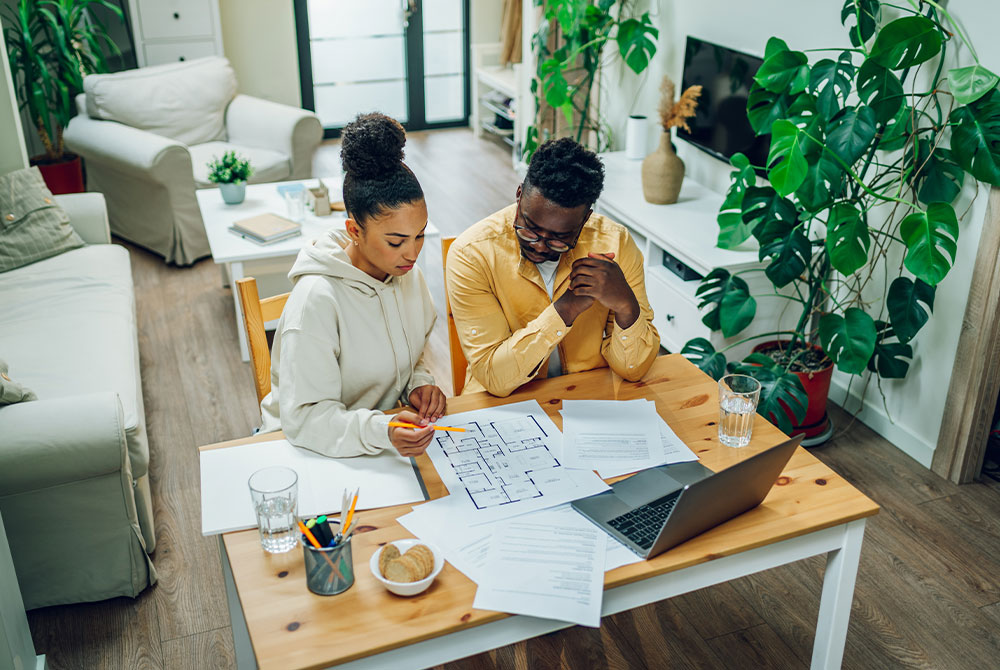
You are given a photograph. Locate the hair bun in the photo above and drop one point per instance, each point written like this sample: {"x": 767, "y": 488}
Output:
{"x": 372, "y": 146}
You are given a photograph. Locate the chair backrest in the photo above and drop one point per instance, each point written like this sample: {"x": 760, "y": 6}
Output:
{"x": 256, "y": 313}
{"x": 459, "y": 364}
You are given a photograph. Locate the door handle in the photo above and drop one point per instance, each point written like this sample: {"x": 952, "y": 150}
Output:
{"x": 409, "y": 9}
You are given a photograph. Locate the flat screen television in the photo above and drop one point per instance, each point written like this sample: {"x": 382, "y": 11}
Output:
{"x": 720, "y": 126}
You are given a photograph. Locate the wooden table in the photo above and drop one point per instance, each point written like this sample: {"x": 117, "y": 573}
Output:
{"x": 810, "y": 511}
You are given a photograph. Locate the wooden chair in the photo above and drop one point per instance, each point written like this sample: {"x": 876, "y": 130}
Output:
{"x": 256, "y": 313}
{"x": 459, "y": 364}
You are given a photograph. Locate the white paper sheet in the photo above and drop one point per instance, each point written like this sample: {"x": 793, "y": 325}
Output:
{"x": 386, "y": 479}
{"x": 611, "y": 435}
{"x": 544, "y": 569}
{"x": 466, "y": 547}
{"x": 508, "y": 462}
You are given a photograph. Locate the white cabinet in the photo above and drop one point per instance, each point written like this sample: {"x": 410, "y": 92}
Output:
{"x": 168, "y": 31}
{"x": 687, "y": 231}
{"x": 495, "y": 96}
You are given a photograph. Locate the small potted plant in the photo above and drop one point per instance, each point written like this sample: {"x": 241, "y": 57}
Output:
{"x": 231, "y": 173}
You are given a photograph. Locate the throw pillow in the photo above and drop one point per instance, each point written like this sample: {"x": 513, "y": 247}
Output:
{"x": 32, "y": 226}
{"x": 10, "y": 391}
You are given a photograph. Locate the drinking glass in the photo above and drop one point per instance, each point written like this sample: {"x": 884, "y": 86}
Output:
{"x": 295, "y": 201}
{"x": 275, "y": 494}
{"x": 738, "y": 397}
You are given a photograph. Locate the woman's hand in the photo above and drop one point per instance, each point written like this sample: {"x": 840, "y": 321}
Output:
{"x": 410, "y": 442}
{"x": 429, "y": 401}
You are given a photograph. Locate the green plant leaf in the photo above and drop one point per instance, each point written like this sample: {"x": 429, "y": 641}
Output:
{"x": 898, "y": 131}
{"x": 866, "y": 15}
{"x": 701, "y": 352}
{"x": 787, "y": 247}
{"x": 847, "y": 239}
{"x": 975, "y": 137}
{"x": 940, "y": 179}
{"x": 732, "y": 230}
{"x": 783, "y": 400}
{"x": 824, "y": 181}
{"x": 906, "y": 42}
{"x": 762, "y": 204}
{"x": 786, "y": 163}
{"x": 970, "y": 83}
{"x": 733, "y": 308}
{"x": 888, "y": 360}
{"x": 880, "y": 89}
{"x": 931, "y": 240}
{"x": 783, "y": 71}
{"x": 637, "y": 42}
{"x": 848, "y": 340}
{"x": 554, "y": 85}
{"x": 765, "y": 107}
{"x": 830, "y": 80}
{"x": 851, "y": 134}
{"x": 906, "y": 314}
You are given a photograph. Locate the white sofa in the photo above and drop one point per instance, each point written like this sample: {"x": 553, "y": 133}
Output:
{"x": 74, "y": 484}
{"x": 147, "y": 135}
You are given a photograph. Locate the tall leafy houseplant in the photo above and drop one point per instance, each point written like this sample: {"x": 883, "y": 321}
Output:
{"x": 566, "y": 75}
{"x": 856, "y": 227}
{"x": 52, "y": 45}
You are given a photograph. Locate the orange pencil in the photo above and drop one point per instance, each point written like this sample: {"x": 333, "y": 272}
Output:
{"x": 309, "y": 535}
{"x": 350, "y": 515}
{"x": 403, "y": 424}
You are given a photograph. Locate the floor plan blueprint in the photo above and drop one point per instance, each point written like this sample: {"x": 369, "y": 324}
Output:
{"x": 507, "y": 462}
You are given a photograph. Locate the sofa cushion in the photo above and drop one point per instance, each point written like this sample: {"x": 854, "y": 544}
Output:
{"x": 69, "y": 328}
{"x": 267, "y": 165}
{"x": 183, "y": 101}
{"x": 32, "y": 225}
{"x": 10, "y": 391}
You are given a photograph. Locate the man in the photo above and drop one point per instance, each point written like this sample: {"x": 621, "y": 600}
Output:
{"x": 545, "y": 286}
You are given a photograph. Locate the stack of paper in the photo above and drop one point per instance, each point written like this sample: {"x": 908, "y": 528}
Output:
{"x": 617, "y": 437}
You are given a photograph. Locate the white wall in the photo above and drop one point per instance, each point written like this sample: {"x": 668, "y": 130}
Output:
{"x": 258, "y": 37}
{"x": 915, "y": 405}
{"x": 13, "y": 155}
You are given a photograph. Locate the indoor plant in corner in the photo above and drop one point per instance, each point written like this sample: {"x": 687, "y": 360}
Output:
{"x": 52, "y": 45}
{"x": 231, "y": 173}
{"x": 868, "y": 150}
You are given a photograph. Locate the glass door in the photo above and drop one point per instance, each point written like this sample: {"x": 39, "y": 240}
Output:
{"x": 405, "y": 58}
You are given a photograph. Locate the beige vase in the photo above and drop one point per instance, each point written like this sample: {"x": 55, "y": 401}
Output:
{"x": 662, "y": 174}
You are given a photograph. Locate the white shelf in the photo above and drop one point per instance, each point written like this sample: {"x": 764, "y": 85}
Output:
{"x": 499, "y": 78}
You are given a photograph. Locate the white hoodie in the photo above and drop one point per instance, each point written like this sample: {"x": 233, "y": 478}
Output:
{"x": 347, "y": 346}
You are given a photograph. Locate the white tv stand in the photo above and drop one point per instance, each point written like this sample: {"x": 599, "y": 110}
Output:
{"x": 686, "y": 230}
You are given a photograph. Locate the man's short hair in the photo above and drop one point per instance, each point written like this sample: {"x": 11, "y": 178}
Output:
{"x": 566, "y": 173}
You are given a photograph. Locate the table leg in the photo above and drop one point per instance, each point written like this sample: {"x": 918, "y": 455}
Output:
{"x": 245, "y": 659}
{"x": 223, "y": 267}
{"x": 835, "y": 602}
{"x": 236, "y": 272}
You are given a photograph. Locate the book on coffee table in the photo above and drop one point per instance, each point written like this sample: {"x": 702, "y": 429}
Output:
{"x": 266, "y": 228}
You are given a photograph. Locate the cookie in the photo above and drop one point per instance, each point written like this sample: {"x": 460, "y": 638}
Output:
{"x": 389, "y": 553}
{"x": 403, "y": 569}
{"x": 425, "y": 558}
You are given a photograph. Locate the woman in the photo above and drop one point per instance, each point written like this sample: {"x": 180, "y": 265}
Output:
{"x": 351, "y": 338}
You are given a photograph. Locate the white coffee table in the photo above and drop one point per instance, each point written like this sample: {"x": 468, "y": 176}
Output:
{"x": 267, "y": 263}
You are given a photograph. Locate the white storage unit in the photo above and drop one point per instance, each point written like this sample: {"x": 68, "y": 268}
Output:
{"x": 687, "y": 230}
{"x": 168, "y": 31}
{"x": 492, "y": 84}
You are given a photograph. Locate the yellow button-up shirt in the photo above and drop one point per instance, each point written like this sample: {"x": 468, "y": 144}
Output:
{"x": 507, "y": 324}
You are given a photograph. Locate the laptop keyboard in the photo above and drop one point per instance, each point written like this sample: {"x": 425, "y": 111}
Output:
{"x": 643, "y": 524}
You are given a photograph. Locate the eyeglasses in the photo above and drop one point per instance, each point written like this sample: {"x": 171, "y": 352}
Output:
{"x": 529, "y": 235}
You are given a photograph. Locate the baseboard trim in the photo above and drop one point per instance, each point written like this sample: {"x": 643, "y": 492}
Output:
{"x": 873, "y": 415}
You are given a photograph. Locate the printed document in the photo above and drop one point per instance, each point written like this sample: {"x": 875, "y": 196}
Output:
{"x": 544, "y": 569}
{"x": 509, "y": 461}
{"x": 386, "y": 479}
{"x": 611, "y": 435}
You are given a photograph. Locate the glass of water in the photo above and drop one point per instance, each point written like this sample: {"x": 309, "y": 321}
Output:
{"x": 738, "y": 397}
{"x": 275, "y": 494}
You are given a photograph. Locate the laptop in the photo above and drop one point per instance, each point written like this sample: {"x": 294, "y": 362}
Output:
{"x": 659, "y": 508}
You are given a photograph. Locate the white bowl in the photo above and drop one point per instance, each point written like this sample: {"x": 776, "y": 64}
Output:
{"x": 407, "y": 588}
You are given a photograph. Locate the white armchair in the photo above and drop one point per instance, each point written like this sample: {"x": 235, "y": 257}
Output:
{"x": 147, "y": 135}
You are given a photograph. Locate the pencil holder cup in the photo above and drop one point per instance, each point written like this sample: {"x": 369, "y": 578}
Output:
{"x": 329, "y": 570}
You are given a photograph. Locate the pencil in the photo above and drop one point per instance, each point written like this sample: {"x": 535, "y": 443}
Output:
{"x": 350, "y": 515}
{"x": 402, "y": 424}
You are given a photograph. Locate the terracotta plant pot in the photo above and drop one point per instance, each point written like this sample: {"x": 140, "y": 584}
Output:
{"x": 65, "y": 176}
{"x": 662, "y": 174}
{"x": 816, "y": 427}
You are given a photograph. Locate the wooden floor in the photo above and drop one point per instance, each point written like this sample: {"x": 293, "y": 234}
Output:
{"x": 928, "y": 592}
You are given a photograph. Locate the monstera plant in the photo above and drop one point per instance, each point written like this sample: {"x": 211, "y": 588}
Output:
{"x": 869, "y": 148}
{"x": 567, "y": 74}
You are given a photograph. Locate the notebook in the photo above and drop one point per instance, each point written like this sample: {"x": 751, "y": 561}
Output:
{"x": 266, "y": 228}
